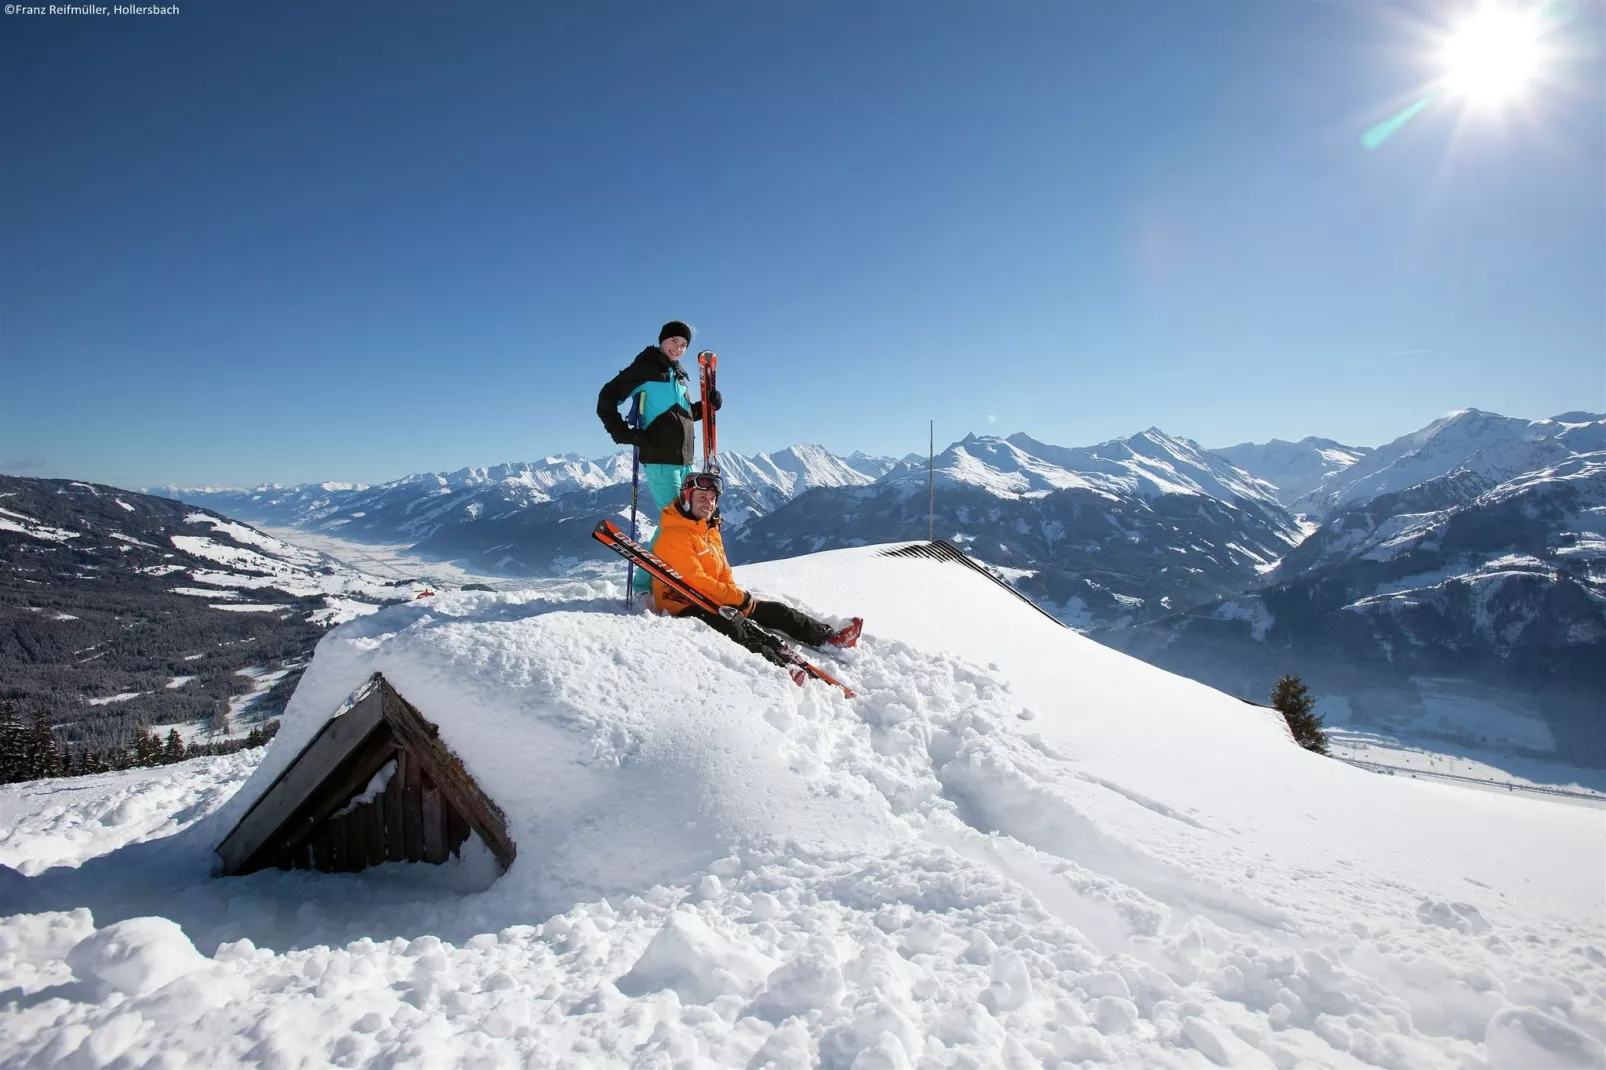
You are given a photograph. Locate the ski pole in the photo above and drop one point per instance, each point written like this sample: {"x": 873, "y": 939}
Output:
{"x": 634, "y": 421}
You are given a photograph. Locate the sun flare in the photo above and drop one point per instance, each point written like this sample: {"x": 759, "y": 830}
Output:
{"x": 1493, "y": 56}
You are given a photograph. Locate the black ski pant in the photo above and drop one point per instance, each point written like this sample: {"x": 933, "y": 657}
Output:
{"x": 777, "y": 617}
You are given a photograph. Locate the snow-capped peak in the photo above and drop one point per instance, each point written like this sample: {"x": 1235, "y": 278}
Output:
{"x": 1484, "y": 443}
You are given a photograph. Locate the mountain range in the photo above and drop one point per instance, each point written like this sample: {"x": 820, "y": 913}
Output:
{"x": 1456, "y": 587}
{"x": 1376, "y": 573}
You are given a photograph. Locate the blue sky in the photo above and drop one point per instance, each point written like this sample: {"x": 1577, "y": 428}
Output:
{"x": 294, "y": 242}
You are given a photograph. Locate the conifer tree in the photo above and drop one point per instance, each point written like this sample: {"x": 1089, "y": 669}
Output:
{"x": 1292, "y": 699}
{"x": 147, "y": 748}
{"x": 254, "y": 737}
{"x": 174, "y": 750}
{"x": 42, "y": 759}
{"x": 13, "y": 745}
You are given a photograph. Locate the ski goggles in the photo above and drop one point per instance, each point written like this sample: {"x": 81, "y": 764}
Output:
{"x": 708, "y": 481}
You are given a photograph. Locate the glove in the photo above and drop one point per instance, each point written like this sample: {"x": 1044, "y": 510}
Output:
{"x": 746, "y": 608}
{"x": 631, "y": 437}
{"x": 713, "y": 395}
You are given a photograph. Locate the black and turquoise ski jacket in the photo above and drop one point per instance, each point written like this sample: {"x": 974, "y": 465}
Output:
{"x": 667, "y": 412}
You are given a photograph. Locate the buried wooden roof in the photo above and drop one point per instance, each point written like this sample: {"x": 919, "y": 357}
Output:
{"x": 376, "y": 784}
{"x": 943, "y": 550}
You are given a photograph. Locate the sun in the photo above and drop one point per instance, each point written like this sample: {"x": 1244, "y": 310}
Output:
{"x": 1491, "y": 57}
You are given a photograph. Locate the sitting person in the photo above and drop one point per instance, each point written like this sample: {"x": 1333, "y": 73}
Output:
{"x": 689, "y": 542}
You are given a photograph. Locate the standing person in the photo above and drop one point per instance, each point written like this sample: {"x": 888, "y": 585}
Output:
{"x": 667, "y": 436}
{"x": 689, "y": 541}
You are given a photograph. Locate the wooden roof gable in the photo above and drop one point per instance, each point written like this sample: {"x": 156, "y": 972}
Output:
{"x": 342, "y": 806}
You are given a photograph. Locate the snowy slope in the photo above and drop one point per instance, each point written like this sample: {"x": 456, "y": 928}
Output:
{"x": 1493, "y": 447}
{"x": 119, "y": 609}
{"x": 1294, "y": 468}
{"x": 1018, "y": 848}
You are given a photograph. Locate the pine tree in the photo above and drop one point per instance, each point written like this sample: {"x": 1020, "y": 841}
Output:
{"x": 254, "y": 737}
{"x": 42, "y": 760}
{"x": 67, "y": 767}
{"x": 147, "y": 748}
{"x": 13, "y": 745}
{"x": 220, "y": 725}
{"x": 1292, "y": 699}
{"x": 174, "y": 750}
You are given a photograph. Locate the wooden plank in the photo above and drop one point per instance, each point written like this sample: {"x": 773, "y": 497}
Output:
{"x": 394, "y": 850}
{"x": 337, "y": 845}
{"x": 374, "y": 831}
{"x": 320, "y": 852}
{"x": 412, "y": 818}
{"x": 336, "y": 791}
{"x": 349, "y": 845}
{"x": 456, "y": 830}
{"x": 434, "y": 826}
{"x": 420, "y": 738}
{"x": 333, "y": 744}
{"x": 357, "y": 839}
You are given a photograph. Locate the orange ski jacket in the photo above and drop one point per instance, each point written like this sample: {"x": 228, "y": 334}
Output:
{"x": 695, "y": 549}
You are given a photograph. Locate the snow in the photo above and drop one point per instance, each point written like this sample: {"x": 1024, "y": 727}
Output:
{"x": 1498, "y": 448}
{"x": 375, "y": 788}
{"x": 1424, "y": 754}
{"x": 340, "y": 610}
{"x": 250, "y": 536}
{"x": 1017, "y": 848}
{"x": 27, "y": 525}
{"x": 1254, "y": 611}
{"x": 123, "y": 697}
{"x": 249, "y": 607}
{"x": 384, "y": 560}
{"x": 124, "y": 504}
{"x": 135, "y": 957}
{"x": 203, "y": 592}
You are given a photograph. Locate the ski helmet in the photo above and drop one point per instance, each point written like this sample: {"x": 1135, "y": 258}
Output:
{"x": 699, "y": 481}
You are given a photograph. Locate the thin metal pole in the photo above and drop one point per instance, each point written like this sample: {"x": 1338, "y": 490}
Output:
{"x": 931, "y": 482}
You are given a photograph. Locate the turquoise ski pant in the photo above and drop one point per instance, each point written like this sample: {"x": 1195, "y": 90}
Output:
{"x": 663, "y": 482}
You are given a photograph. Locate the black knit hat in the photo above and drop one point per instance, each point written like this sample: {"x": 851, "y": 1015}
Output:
{"x": 674, "y": 329}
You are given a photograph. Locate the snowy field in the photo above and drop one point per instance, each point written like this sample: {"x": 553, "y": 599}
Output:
{"x": 388, "y": 561}
{"x": 1492, "y": 768}
{"x": 1016, "y": 848}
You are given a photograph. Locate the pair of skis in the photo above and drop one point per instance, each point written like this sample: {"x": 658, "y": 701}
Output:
{"x": 608, "y": 533}
{"x": 707, "y": 364}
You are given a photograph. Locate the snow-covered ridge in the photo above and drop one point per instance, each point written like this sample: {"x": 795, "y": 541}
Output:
{"x": 1294, "y": 468}
{"x": 1144, "y": 465}
{"x": 421, "y": 506}
{"x": 1019, "y": 848}
{"x": 1494, "y": 447}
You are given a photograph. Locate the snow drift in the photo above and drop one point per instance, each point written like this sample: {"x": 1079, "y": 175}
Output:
{"x": 1017, "y": 848}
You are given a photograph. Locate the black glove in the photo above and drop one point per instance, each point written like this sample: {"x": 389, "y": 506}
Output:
{"x": 713, "y": 395}
{"x": 747, "y": 603}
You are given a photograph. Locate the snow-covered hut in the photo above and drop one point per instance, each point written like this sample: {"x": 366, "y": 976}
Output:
{"x": 376, "y": 784}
